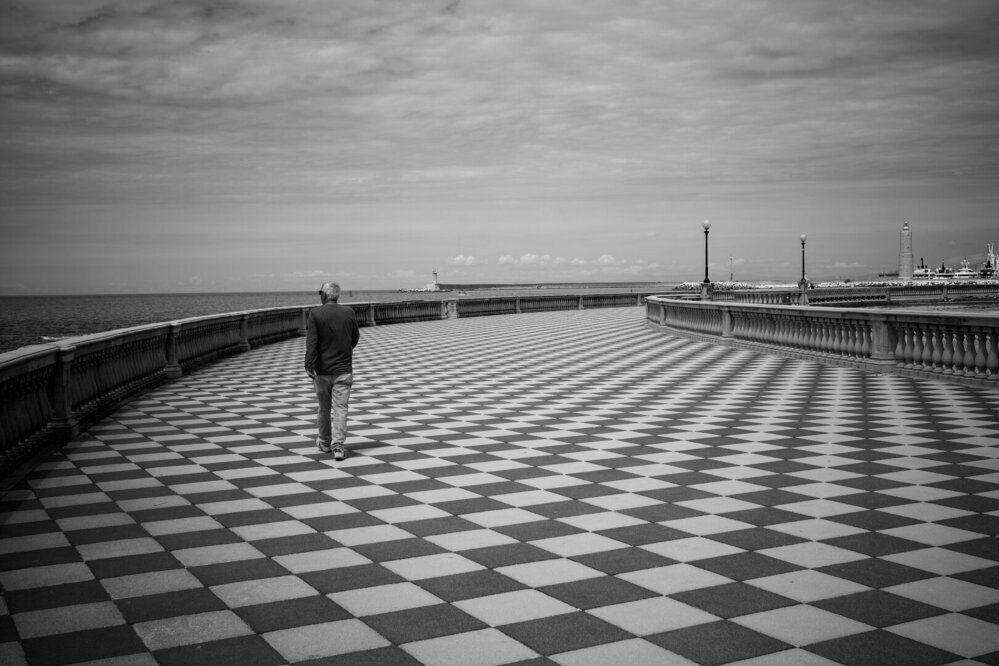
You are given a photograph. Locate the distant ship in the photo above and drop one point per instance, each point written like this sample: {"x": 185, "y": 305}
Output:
{"x": 986, "y": 271}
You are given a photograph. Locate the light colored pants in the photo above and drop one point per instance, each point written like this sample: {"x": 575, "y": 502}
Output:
{"x": 332, "y": 394}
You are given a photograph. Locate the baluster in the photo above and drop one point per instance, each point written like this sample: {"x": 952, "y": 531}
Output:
{"x": 917, "y": 348}
{"x": 992, "y": 359}
{"x": 958, "y": 358}
{"x": 900, "y": 346}
{"x": 936, "y": 355}
{"x": 865, "y": 345}
{"x": 980, "y": 356}
{"x": 947, "y": 351}
{"x": 969, "y": 353}
{"x": 927, "y": 358}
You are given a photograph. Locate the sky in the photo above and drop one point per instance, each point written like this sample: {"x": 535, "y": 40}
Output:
{"x": 247, "y": 145}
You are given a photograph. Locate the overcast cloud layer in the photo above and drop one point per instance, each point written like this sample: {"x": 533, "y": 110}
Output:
{"x": 170, "y": 145}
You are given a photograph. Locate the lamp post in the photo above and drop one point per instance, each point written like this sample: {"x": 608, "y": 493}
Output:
{"x": 803, "y": 285}
{"x": 707, "y": 226}
{"x": 803, "y": 238}
{"x": 706, "y": 285}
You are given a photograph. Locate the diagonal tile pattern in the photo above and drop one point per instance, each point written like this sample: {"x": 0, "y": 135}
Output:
{"x": 568, "y": 486}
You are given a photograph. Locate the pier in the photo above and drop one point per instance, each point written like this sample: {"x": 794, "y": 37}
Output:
{"x": 568, "y": 485}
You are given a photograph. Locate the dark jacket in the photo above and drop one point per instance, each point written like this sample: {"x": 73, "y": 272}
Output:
{"x": 331, "y": 335}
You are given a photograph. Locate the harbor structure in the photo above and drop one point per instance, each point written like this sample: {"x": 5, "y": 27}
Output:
{"x": 905, "y": 266}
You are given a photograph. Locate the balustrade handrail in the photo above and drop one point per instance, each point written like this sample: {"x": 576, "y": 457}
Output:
{"x": 49, "y": 391}
{"x": 956, "y": 346}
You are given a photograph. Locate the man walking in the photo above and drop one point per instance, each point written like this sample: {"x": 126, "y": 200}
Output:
{"x": 331, "y": 336}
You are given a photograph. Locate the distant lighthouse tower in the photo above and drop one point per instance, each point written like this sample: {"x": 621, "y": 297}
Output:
{"x": 905, "y": 254}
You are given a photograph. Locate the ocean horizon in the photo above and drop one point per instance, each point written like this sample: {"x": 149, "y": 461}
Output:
{"x": 32, "y": 320}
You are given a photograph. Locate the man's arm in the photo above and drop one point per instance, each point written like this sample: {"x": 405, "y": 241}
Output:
{"x": 311, "y": 345}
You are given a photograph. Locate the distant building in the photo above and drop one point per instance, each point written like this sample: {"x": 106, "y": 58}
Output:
{"x": 905, "y": 253}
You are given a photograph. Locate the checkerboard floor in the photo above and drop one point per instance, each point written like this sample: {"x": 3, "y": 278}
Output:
{"x": 567, "y": 487}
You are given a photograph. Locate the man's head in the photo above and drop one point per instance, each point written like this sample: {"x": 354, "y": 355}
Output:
{"x": 330, "y": 292}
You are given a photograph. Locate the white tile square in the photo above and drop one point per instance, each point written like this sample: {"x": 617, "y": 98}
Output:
{"x": 650, "y": 616}
{"x": 384, "y": 599}
{"x": 518, "y": 606}
{"x": 802, "y": 625}
{"x": 485, "y": 647}
{"x": 432, "y": 566}
{"x": 674, "y": 578}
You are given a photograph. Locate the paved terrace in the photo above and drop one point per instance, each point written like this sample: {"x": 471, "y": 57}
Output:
{"x": 567, "y": 487}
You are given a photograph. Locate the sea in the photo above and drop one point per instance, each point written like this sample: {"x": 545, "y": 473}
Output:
{"x": 32, "y": 320}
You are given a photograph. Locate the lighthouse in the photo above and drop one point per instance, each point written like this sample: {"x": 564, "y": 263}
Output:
{"x": 905, "y": 253}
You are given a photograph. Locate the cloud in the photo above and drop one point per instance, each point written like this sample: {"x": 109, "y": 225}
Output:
{"x": 461, "y": 260}
{"x": 606, "y": 260}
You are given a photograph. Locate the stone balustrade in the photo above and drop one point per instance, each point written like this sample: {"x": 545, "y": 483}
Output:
{"x": 49, "y": 392}
{"x": 947, "y": 345}
{"x": 910, "y": 293}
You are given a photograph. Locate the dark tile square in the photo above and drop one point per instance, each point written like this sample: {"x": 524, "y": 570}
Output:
{"x": 417, "y": 624}
{"x": 80, "y": 646}
{"x": 878, "y": 608}
{"x": 75, "y": 510}
{"x": 242, "y": 650}
{"x": 717, "y": 643}
{"x": 99, "y": 534}
{"x": 657, "y": 513}
{"x": 746, "y": 566}
{"x": 881, "y": 647}
{"x": 988, "y": 613}
{"x": 384, "y": 656}
{"x": 133, "y": 564}
{"x": 169, "y": 604}
{"x": 732, "y": 599}
{"x": 291, "y": 613}
{"x": 872, "y": 520}
{"x": 444, "y": 525}
{"x": 469, "y": 585}
{"x": 876, "y": 573}
{"x": 537, "y": 529}
{"x": 296, "y": 499}
{"x": 622, "y": 560}
{"x": 640, "y": 535}
{"x": 562, "y": 633}
{"x": 243, "y": 518}
{"x": 343, "y": 521}
{"x": 38, "y": 558}
{"x": 756, "y": 538}
{"x": 585, "y": 490}
{"x": 986, "y": 548}
{"x": 673, "y": 495}
{"x": 348, "y": 578}
{"x": 234, "y": 572}
{"x": 167, "y": 513}
{"x": 298, "y": 543}
{"x": 872, "y": 500}
{"x": 988, "y": 577}
{"x": 196, "y": 539}
{"x": 567, "y": 509}
{"x": 472, "y": 505}
{"x": 381, "y": 502}
{"x": 398, "y": 549}
{"x": 41, "y": 598}
{"x": 492, "y": 557}
{"x": 765, "y": 516}
{"x": 595, "y": 592}
{"x": 874, "y": 544}
{"x": 983, "y": 524}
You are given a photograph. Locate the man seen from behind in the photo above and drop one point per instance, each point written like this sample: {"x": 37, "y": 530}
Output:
{"x": 331, "y": 335}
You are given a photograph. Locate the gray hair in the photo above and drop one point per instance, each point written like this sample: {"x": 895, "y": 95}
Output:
{"x": 331, "y": 290}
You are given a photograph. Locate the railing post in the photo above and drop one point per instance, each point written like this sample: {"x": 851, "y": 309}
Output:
{"x": 173, "y": 369}
{"x": 451, "y": 310}
{"x": 303, "y": 322}
{"x": 244, "y": 332}
{"x": 726, "y": 323}
{"x": 517, "y": 305}
{"x": 63, "y": 423}
{"x": 371, "y": 314}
